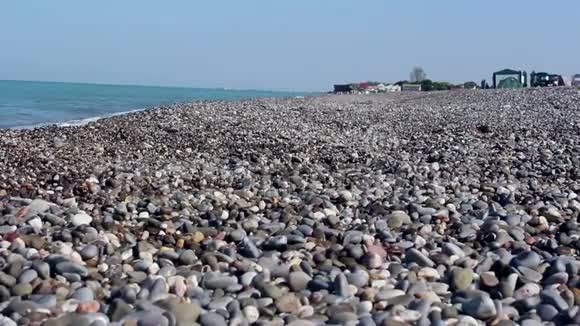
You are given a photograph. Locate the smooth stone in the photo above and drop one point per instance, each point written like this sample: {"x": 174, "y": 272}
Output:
{"x": 67, "y": 267}
{"x": 553, "y": 297}
{"x": 305, "y": 229}
{"x": 529, "y": 259}
{"x": 151, "y": 208}
{"x": 5, "y": 321}
{"x": 298, "y": 281}
{"x": 188, "y": 257}
{"x": 529, "y": 275}
{"x": 388, "y": 294}
{"x": 551, "y": 213}
{"x": 288, "y": 303}
{"x": 186, "y": 313}
{"x": 355, "y": 251}
{"x": 36, "y": 207}
{"x": 557, "y": 278}
{"x": 301, "y": 322}
{"x": 7, "y": 280}
{"x": 27, "y": 276}
{"x": 22, "y": 289}
{"x": 119, "y": 309}
{"x": 373, "y": 260}
{"x": 83, "y": 294}
{"x": 42, "y": 268}
{"x": 251, "y": 313}
{"x": 449, "y": 312}
{"x": 249, "y": 249}
{"x": 462, "y": 278}
{"x": 530, "y": 322}
{"x": 527, "y": 304}
{"x": 86, "y": 319}
{"x": 358, "y": 278}
{"x": 145, "y": 318}
{"x": 439, "y": 288}
{"x": 4, "y": 229}
{"x": 343, "y": 318}
{"x": 219, "y": 281}
{"x": 46, "y": 301}
{"x": 137, "y": 276}
{"x": 467, "y": 321}
{"x": 429, "y": 273}
{"x": 397, "y": 219}
{"x": 220, "y": 303}
{"x": 547, "y": 312}
{"x": 81, "y": 219}
{"x": 158, "y": 289}
{"x": 345, "y": 195}
{"x": 366, "y": 321}
{"x": 526, "y": 291}
{"x": 142, "y": 265}
{"x": 341, "y": 285}
{"x": 508, "y": 285}
{"x": 415, "y": 256}
{"x": 488, "y": 279}
{"x": 212, "y": 319}
{"x": 270, "y": 290}
{"x": 409, "y": 315}
{"x": 89, "y": 252}
{"x": 480, "y": 307}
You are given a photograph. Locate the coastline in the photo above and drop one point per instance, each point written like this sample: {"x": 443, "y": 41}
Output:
{"x": 29, "y": 104}
{"x": 75, "y": 122}
{"x": 299, "y": 211}
{"x": 85, "y": 121}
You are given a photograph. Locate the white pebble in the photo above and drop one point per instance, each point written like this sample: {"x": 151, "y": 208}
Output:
{"x": 81, "y": 219}
{"x": 251, "y": 313}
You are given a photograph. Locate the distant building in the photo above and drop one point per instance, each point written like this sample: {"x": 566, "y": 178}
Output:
{"x": 366, "y": 88}
{"x": 393, "y": 88}
{"x": 344, "y": 88}
{"x": 576, "y": 80}
{"x": 411, "y": 87}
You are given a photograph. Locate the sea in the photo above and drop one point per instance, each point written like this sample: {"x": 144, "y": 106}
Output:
{"x": 27, "y": 104}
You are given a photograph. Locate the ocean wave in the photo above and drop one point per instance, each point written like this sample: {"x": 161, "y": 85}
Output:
{"x": 77, "y": 122}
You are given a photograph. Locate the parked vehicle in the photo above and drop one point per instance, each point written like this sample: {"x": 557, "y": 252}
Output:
{"x": 544, "y": 79}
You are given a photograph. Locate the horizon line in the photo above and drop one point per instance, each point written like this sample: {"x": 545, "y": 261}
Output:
{"x": 159, "y": 86}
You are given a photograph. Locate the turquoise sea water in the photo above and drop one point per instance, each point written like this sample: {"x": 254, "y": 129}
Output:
{"x": 27, "y": 104}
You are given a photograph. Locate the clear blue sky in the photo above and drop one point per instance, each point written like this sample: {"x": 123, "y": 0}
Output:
{"x": 286, "y": 45}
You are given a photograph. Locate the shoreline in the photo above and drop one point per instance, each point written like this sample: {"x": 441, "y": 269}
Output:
{"x": 85, "y": 121}
{"x": 443, "y": 208}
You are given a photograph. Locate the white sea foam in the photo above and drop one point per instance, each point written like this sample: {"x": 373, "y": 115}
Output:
{"x": 78, "y": 122}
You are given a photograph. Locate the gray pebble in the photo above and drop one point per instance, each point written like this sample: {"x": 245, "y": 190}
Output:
{"x": 212, "y": 319}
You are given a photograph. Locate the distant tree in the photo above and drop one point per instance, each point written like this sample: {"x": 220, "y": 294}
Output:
{"x": 427, "y": 85}
{"x": 441, "y": 86}
{"x": 470, "y": 85}
{"x": 418, "y": 75}
{"x": 401, "y": 82}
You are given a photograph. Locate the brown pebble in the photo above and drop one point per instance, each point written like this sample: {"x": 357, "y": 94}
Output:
{"x": 88, "y": 307}
{"x": 489, "y": 279}
{"x": 376, "y": 250}
{"x": 288, "y": 303}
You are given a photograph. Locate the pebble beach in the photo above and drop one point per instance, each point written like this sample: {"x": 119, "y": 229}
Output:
{"x": 443, "y": 208}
